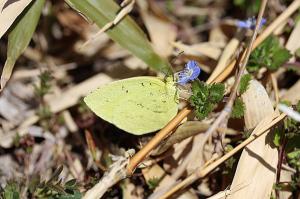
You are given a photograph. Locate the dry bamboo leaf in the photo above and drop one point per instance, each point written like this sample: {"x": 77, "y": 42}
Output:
{"x": 201, "y": 49}
{"x": 293, "y": 94}
{"x": 293, "y": 42}
{"x": 115, "y": 51}
{"x": 225, "y": 58}
{"x": 134, "y": 63}
{"x": 153, "y": 172}
{"x": 10, "y": 10}
{"x": 217, "y": 37}
{"x": 259, "y": 158}
{"x": 166, "y": 182}
{"x": 162, "y": 33}
{"x": 186, "y": 130}
{"x": 67, "y": 99}
{"x": 193, "y": 11}
{"x": 280, "y": 29}
{"x": 70, "y": 97}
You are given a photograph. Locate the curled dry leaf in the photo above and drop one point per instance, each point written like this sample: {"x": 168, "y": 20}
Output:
{"x": 293, "y": 42}
{"x": 259, "y": 158}
{"x": 162, "y": 33}
{"x": 184, "y": 131}
{"x": 201, "y": 49}
{"x": 228, "y": 52}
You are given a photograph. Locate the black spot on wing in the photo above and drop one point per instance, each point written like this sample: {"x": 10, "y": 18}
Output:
{"x": 9, "y": 2}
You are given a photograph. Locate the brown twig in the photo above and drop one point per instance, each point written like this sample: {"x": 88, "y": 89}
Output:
{"x": 139, "y": 157}
{"x": 203, "y": 171}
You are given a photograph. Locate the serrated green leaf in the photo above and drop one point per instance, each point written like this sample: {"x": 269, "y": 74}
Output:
{"x": 126, "y": 33}
{"x": 205, "y": 97}
{"x": 238, "y": 108}
{"x": 269, "y": 54}
{"x": 20, "y": 36}
{"x": 216, "y": 92}
{"x": 280, "y": 56}
{"x": 244, "y": 83}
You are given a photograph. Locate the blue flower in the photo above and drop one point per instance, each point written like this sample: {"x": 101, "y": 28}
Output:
{"x": 250, "y": 23}
{"x": 190, "y": 72}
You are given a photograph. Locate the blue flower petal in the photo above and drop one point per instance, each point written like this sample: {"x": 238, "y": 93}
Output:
{"x": 250, "y": 23}
{"x": 190, "y": 72}
{"x": 195, "y": 73}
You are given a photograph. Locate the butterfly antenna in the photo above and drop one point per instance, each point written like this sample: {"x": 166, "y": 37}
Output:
{"x": 172, "y": 62}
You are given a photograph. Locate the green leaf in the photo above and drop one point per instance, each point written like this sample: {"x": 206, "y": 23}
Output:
{"x": 269, "y": 54}
{"x": 294, "y": 157}
{"x": 277, "y": 137}
{"x": 153, "y": 182}
{"x": 245, "y": 80}
{"x": 238, "y": 108}
{"x": 11, "y": 191}
{"x": 126, "y": 33}
{"x": 20, "y": 36}
{"x": 216, "y": 92}
{"x": 298, "y": 106}
{"x": 205, "y": 97}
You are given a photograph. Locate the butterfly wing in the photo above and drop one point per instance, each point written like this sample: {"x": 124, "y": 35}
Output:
{"x": 137, "y": 105}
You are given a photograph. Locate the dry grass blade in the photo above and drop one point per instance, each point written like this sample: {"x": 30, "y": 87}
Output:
{"x": 226, "y": 56}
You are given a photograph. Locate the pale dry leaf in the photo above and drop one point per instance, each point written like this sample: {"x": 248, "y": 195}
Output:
{"x": 10, "y": 10}
{"x": 280, "y": 29}
{"x": 293, "y": 94}
{"x": 228, "y": 52}
{"x": 91, "y": 48}
{"x": 115, "y": 51}
{"x": 293, "y": 42}
{"x": 67, "y": 99}
{"x": 193, "y": 11}
{"x": 153, "y": 172}
{"x": 199, "y": 50}
{"x": 162, "y": 33}
{"x": 217, "y": 38}
{"x": 71, "y": 96}
{"x": 260, "y": 157}
{"x": 165, "y": 184}
{"x": 134, "y": 63}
